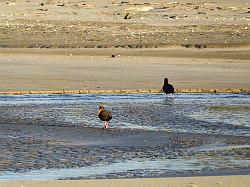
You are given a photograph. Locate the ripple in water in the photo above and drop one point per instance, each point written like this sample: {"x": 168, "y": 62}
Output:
{"x": 136, "y": 168}
{"x": 196, "y": 113}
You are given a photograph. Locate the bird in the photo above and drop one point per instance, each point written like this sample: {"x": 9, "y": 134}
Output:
{"x": 105, "y": 116}
{"x": 167, "y": 88}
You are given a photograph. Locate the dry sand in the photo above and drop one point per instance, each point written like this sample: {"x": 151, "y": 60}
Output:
{"x": 181, "y": 31}
{"x": 220, "y": 181}
{"x": 101, "y": 23}
{"x": 200, "y": 45}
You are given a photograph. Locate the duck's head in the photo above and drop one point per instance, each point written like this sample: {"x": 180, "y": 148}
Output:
{"x": 165, "y": 80}
{"x": 101, "y": 108}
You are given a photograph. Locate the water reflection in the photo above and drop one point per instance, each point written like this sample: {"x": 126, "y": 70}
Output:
{"x": 169, "y": 101}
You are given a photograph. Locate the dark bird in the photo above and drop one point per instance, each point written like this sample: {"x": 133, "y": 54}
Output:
{"x": 167, "y": 88}
{"x": 105, "y": 116}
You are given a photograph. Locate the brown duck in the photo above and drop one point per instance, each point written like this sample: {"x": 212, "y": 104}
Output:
{"x": 105, "y": 116}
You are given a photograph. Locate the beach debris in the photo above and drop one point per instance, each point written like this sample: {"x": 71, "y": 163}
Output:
{"x": 87, "y": 5}
{"x": 113, "y": 56}
{"x": 127, "y": 16}
{"x": 198, "y": 46}
{"x": 60, "y": 4}
{"x": 201, "y": 13}
{"x": 42, "y": 9}
{"x": 186, "y": 45}
{"x": 124, "y": 2}
{"x": 10, "y": 3}
{"x": 41, "y": 4}
{"x": 196, "y": 7}
{"x": 171, "y": 16}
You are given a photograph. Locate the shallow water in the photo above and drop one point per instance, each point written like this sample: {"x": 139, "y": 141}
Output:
{"x": 195, "y": 113}
{"x": 203, "y": 114}
{"x": 135, "y": 168}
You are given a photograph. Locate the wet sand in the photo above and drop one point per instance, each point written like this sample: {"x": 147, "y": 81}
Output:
{"x": 32, "y": 147}
{"x": 94, "y": 69}
{"x": 60, "y": 136}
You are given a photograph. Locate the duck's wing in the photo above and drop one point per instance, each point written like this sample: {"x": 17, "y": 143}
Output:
{"x": 105, "y": 115}
{"x": 171, "y": 87}
{"x": 110, "y": 115}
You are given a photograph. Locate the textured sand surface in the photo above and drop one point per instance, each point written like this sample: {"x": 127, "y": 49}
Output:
{"x": 102, "y": 24}
{"x": 95, "y": 69}
{"x": 220, "y": 181}
{"x": 181, "y": 31}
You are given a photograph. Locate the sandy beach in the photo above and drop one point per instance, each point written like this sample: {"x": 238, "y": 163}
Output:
{"x": 197, "y": 45}
{"x": 111, "y": 46}
{"x": 222, "y": 181}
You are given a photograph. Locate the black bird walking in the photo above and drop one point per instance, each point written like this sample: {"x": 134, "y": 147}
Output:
{"x": 105, "y": 116}
{"x": 167, "y": 88}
